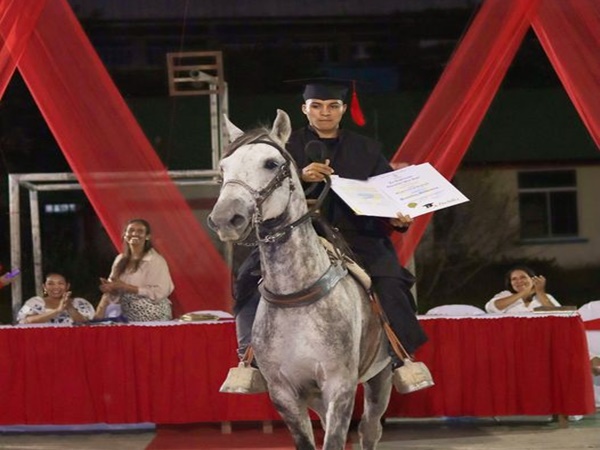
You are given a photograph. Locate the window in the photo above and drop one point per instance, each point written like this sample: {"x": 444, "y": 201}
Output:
{"x": 60, "y": 208}
{"x": 548, "y": 204}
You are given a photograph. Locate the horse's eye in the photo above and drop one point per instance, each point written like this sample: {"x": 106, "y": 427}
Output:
{"x": 271, "y": 164}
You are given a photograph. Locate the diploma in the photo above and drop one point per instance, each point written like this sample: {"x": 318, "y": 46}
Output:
{"x": 414, "y": 190}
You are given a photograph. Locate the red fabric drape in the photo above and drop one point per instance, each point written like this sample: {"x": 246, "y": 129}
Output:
{"x": 452, "y": 114}
{"x": 569, "y": 31}
{"x": 16, "y": 25}
{"x": 120, "y": 173}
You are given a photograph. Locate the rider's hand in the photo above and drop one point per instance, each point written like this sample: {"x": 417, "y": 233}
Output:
{"x": 316, "y": 172}
{"x": 401, "y": 222}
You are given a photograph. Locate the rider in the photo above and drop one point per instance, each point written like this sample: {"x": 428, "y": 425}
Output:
{"x": 349, "y": 155}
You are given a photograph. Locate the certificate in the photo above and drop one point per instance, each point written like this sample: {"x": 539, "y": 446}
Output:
{"x": 413, "y": 191}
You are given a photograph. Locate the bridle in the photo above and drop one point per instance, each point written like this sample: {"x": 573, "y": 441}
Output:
{"x": 336, "y": 271}
{"x": 260, "y": 196}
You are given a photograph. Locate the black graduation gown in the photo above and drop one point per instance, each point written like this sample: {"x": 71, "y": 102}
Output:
{"x": 359, "y": 157}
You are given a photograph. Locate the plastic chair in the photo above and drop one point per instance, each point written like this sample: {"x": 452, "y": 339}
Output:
{"x": 455, "y": 310}
{"x": 590, "y": 311}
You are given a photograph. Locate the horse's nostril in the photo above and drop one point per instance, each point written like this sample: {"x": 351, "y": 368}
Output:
{"x": 237, "y": 220}
{"x": 210, "y": 223}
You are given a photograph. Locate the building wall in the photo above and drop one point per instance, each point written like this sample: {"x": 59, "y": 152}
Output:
{"x": 568, "y": 253}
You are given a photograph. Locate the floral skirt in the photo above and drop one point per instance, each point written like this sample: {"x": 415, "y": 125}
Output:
{"x": 138, "y": 308}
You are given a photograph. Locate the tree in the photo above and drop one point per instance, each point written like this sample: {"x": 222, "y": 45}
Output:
{"x": 465, "y": 240}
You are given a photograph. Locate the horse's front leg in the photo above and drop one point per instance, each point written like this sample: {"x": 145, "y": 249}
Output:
{"x": 377, "y": 396}
{"x": 339, "y": 401}
{"x": 295, "y": 415}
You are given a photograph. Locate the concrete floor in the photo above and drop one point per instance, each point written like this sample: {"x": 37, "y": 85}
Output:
{"x": 515, "y": 433}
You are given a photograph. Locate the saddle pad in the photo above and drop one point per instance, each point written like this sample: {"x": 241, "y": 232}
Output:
{"x": 357, "y": 271}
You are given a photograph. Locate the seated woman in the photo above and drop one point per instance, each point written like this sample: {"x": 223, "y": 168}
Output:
{"x": 139, "y": 280}
{"x": 57, "y": 305}
{"x": 525, "y": 292}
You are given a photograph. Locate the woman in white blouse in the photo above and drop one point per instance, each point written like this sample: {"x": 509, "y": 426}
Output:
{"x": 525, "y": 292}
{"x": 139, "y": 280}
{"x": 56, "y": 305}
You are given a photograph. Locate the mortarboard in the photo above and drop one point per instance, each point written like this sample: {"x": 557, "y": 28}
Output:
{"x": 333, "y": 88}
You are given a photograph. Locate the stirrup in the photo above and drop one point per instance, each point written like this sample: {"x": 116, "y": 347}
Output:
{"x": 412, "y": 377}
{"x": 244, "y": 379}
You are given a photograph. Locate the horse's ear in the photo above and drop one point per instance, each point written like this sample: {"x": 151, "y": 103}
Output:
{"x": 233, "y": 132}
{"x": 282, "y": 127}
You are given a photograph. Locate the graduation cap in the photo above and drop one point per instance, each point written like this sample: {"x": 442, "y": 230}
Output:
{"x": 330, "y": 89}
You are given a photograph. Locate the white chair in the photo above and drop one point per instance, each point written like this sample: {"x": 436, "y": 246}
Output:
{"x": 455, "y": 310}
{"x": 591, "y": 311}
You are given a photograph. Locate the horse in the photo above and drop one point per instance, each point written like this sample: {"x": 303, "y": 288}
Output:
{"x": 315, "y": 336}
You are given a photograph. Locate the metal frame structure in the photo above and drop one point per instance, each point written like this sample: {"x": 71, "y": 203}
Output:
{"x": 47, "y": 182}
{"x": 201, "y": 73}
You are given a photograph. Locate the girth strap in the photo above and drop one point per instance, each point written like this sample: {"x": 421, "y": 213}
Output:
{"x": 318, "y": 290}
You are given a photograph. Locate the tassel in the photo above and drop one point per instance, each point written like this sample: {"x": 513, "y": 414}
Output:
{"x": 355, "y": 110}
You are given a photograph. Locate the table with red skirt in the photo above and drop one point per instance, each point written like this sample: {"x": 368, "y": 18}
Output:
{"x": 171, "y": 372}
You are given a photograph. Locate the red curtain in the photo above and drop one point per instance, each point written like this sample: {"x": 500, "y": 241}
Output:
{"x": 569, "y": 31}
{"x": 117, "y": 167}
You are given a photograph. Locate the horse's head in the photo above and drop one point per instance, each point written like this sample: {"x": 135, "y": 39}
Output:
{"x": 259, "y": 177}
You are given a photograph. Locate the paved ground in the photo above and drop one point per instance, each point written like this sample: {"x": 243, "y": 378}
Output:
{"x": 491, "y": 434}
{"x": 454, "y": 434}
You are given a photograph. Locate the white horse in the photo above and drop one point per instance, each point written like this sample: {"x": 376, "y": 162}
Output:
{"x": 315, "y": 336}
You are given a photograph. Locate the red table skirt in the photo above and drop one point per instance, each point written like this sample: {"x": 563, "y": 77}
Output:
{"x": 171, "y": 374}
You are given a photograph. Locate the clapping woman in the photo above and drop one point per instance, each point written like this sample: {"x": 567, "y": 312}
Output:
{"x": 139, "y": 280}
{"x": 524, "y": 292}
{"x": 57, "y": 305}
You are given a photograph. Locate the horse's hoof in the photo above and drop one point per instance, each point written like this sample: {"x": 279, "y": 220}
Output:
{"x": 244, "y": 380}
